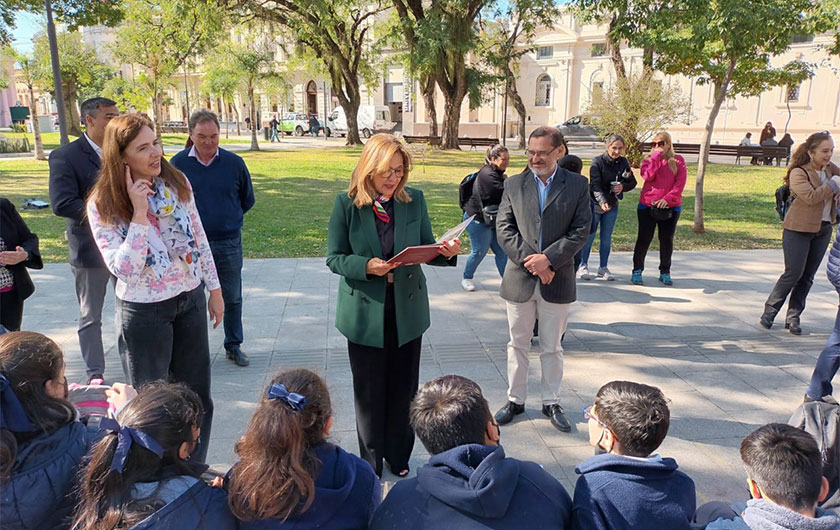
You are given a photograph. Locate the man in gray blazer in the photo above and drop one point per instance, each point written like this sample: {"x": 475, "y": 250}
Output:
{"x": 73, "y": 171}
{"x": 543, "y": 221}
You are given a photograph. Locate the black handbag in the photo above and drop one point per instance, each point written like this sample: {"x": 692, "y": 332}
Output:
{"x": 661, "y": 214}
{"x": 489, "y": 214}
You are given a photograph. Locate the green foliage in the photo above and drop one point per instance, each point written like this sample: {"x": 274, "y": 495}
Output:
{"x": 18, "y": 128}
{"x": 129, "y": 94}
{"x": 73, "y": 13}
{"x": 636, "y": 108}
{"x": 15, "y": 145}
{"x": 160, "y": 35}
{"x": 80, "y": 66}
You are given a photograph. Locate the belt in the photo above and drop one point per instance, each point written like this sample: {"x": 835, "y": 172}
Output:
{"x": 389, "y": 278}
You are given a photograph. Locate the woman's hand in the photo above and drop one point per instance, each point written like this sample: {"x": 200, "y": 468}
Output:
{"x": 450, "y": 248}
{"x": 13, "y": 257}
{"x": 119, "y": 394}
{"x": 216, "y": 307}
{"x": 138, "y": 193}
{"x": 617, "y": 187}
{"x": 605, "y": 206}
{"x": 661, "y": 203}
{"x": 378, "y": 267}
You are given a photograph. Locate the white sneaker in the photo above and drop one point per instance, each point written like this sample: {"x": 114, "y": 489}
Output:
{"x": 468, "y": 285}
{"x": 605, "y": 273}
{"x": 584, "y": 273}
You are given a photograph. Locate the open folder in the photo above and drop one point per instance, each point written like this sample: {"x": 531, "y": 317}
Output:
{"x": 426, "y": 253}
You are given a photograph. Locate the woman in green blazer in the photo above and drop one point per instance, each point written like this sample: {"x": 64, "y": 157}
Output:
{"x": 382, "y": 309}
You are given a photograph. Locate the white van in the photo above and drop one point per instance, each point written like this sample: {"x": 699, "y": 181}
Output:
{"x": 371, "y": 119}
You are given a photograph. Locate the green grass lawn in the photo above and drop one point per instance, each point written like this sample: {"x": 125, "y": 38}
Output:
{"x": 51, "y": 140}
{"x": 295, "y": 192}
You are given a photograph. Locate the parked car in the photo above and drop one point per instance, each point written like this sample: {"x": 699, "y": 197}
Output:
{"x": 297, "y": 123}
{"x": 576, "y": 128}
{"x": 173, "y": 123}
{"x": 370, "y": 120}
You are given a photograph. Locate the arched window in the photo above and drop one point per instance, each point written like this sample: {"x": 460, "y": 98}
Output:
{"x": 543, "y": 91}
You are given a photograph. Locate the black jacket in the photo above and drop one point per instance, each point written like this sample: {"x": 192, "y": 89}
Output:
{"x": 15, "y": 233}
{"x": 603, "y": 172}
{"x": 488, "y": 186}
{"x": 73, "y": 171}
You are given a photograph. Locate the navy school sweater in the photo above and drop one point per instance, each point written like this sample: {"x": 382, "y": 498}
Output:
{"x": 223, "y": 192}
{"x": 472, "y": 487}
{"x": 618, "y": 492}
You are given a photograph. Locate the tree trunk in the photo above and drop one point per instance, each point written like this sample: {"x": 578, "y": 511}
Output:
{"x": 614, "y": 49}
{"x": 226, "y": 115}
{"x": 427, "y": 89}
{"x": 253, "y": 112}
{"x": 351, "y": 112}
{"x": 516, "y": 100}
{"x": 238, "y": 116}
{"x": 70, "y": 110}
{"x": 720, "y": 97}
{"x": 451, "y": 120}
{"x": 36, "y": 130}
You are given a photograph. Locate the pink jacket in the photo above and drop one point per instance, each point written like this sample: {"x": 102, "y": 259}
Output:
{"x": 660, "y": 181}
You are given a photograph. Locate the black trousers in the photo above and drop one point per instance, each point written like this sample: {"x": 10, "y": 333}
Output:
{"x": 384, "y": 383}
{"x": 804, "y": 251}
{"x": 11, "y": 310}
{"x": 168, "y": 341}
{"x": 647, "y": 225}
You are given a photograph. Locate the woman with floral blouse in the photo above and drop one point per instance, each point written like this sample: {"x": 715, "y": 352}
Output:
{"x": 146, "y": 225}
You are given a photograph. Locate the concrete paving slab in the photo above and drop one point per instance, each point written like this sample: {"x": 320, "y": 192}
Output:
{"x": 699, "y": 341}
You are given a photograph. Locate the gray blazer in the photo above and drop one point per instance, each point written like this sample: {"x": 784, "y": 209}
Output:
{"x": 566, "y": 219}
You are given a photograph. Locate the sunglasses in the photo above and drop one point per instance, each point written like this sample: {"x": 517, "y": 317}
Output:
{"x": 661, "y": 143}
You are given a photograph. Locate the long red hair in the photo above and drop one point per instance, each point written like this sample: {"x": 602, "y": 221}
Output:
{"x": 109, "y": 194}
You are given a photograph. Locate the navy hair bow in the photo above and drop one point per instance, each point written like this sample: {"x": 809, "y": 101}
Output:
{"x": 125, "y": 437}
{"x": 12, "y": 415}
{"x": 278, "y": 391}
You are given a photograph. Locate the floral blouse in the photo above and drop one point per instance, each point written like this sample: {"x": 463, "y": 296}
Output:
{"x": 127, "y": 253}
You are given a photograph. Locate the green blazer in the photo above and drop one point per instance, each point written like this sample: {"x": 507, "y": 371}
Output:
{"x": 352, "y": 241}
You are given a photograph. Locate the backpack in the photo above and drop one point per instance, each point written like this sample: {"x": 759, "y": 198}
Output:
{"x": 784, "y": 198}
{"x": 822, "y": 421}
{"x": 465, "y": 190}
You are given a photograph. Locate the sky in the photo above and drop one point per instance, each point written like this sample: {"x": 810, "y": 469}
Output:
{"x": 27, "y": 25}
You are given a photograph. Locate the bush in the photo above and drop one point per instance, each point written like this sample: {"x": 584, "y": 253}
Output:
{"x": 18, "y": 128}
{"x": 15, "y": 145}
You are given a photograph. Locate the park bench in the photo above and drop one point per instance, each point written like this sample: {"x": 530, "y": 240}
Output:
{"x": 464, "y": 140}
{"x": 737, "y": 151}
{"x": 168, "y": 129}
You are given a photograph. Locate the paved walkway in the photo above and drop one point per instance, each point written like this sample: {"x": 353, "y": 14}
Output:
{"x": 699, "y": 341}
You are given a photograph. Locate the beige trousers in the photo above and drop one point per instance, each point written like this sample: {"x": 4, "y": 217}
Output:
{"x": 521, "y": 318}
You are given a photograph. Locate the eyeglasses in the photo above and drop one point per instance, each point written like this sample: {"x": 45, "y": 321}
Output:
{"x": 392, "y": 173}
{"x": 539, "y": 154}
{"x": 587, "y": 413}
{"x": 661, "y": 143}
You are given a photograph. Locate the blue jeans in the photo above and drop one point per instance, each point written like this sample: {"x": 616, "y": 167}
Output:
{"x": 827, "y": 364}
{"x": 482, "y": 239}
{"x": 227, "y": 253}
{"x": 274, "y": 135}
{"x": 607, "y": 221}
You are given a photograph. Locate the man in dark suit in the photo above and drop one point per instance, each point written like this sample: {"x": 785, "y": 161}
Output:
{"x": 543, "y": 221}
{"x": 73, "y": 171}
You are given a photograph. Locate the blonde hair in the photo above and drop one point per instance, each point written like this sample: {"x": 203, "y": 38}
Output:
{"x": 669, "y": 153}
{"x": 375, "y": 159}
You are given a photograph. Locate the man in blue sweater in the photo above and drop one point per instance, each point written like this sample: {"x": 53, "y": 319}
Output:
{"x": 223, "y": 193}
{"x": 628, "y": 487}
{"x": 469, "y": 483}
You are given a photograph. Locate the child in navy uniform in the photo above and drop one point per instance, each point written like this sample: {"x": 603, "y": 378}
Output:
{"x": 139, "y": 475}
{"x": 42, "y": 444}
{"x": 628, "y": 487}
{"x": 288, "y": 476}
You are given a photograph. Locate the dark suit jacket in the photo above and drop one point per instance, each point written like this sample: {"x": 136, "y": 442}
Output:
{"x": 73, "y": 171}
{"x": 351, "y": 241}
{"x": 565, "y": 222}
{"x": 15, "y": 233}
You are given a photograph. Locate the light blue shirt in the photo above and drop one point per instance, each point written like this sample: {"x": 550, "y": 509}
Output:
{"x": 542, "y": 192}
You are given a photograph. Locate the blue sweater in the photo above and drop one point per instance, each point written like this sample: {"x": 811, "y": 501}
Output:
{"x": 223, "y": 192}
{"x": 346, "y": 494}
{"x": 190, "y": 504}
{"x": 617, "y": 493}
{"x": 474, "y": 487}
{"x": 764, "y": 515}
{"x": 39, "y": 491}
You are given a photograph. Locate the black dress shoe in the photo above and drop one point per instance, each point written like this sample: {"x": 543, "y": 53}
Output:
{"x": 766, "y": 321}
{"x": 236, "y": 355}
{"x": 558, "y": 418}
{"x": 506, "y": 413}
{"x": 793, "y": 327}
